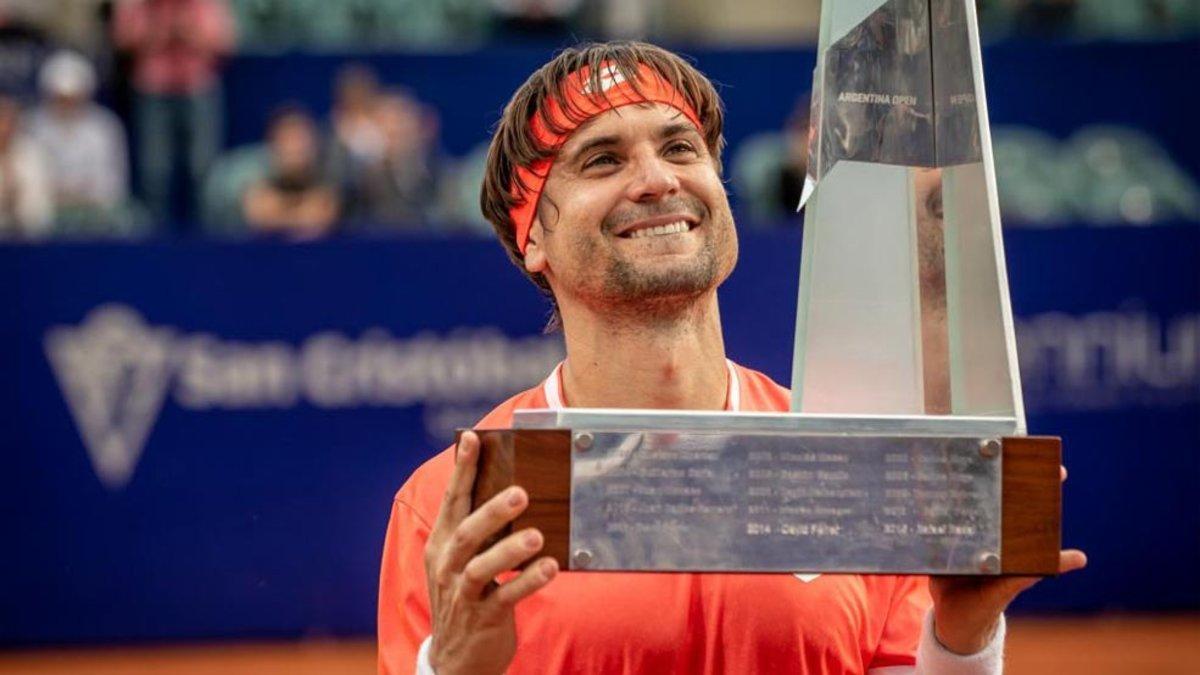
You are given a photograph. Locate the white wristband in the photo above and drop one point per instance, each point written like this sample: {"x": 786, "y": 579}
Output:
{"x": 423, "y": 667}
{"x": 934, "y": 659}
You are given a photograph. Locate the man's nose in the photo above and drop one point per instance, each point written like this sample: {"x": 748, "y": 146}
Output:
{"x": 653, "y": 179}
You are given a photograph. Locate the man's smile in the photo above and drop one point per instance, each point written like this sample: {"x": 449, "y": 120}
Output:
{"x": 659, "y": 226}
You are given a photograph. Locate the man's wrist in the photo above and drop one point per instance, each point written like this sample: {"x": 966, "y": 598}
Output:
{"x": 964, "y": 640}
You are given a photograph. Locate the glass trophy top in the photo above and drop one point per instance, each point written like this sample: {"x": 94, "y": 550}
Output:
{"x": 903, "y": 305}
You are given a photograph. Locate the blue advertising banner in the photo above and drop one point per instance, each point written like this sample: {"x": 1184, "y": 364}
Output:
{"x": 203, "y": 440}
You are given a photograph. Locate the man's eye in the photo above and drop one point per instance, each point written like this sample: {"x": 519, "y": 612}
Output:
{"x": 600, "y": 160}
{"x": 680, "y": 147}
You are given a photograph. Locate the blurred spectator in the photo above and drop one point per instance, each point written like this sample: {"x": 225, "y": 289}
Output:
{"x": 26, "y": 209}
{"x": 293, "y": 200}
{"x": 176, "y": 48}
{"x": 85, "y": 143}
{"x": 357, "y": 137}
{"x": 795, "y": 163}
{"x": 400, "y": 186}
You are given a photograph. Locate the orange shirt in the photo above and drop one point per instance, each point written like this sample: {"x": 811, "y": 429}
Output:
{"x": 659, "y": 623}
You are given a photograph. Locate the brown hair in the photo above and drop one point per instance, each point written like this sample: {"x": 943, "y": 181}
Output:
{"x": 514, "y": 145}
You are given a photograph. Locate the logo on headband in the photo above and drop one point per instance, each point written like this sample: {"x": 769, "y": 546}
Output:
{"x": 610, "y": 78}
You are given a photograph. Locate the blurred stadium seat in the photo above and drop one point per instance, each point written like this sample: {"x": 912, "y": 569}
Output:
{"x": 268, "y": 25}
{"x": 1131, "y": 19}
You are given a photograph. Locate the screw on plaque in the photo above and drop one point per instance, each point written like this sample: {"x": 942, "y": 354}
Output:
{"x": 583, "y": 441}
{"x": 989, "y": 563}
{"x": 990, "y": 448}
{"x": 581, "y": 559}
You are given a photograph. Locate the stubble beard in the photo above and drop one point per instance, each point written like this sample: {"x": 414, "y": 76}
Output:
{"x": 639, "y": 291}
{"x": 626, "y": 283}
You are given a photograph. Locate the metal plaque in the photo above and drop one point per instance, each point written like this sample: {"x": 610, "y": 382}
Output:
{"x": 697, "y": 501}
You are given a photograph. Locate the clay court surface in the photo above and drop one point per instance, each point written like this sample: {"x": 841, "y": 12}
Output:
{"x": 1090, "y": 646}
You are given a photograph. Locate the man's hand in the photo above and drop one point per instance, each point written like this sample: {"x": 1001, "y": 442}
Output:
{"x": 966, "y": 610}
{"x": 473, "y": 626}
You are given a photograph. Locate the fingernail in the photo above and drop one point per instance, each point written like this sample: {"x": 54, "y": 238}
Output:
{"x": 549, "y": 568}
{"x": 514, "y": 497}
{"x": 532, "y": 539}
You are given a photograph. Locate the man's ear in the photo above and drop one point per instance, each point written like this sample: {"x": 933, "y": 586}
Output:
{"x": 535, "y": 254}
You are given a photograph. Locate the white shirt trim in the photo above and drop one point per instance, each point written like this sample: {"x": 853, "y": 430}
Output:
{"x": 734, "y": 400}
{"x": 552, "y": 388}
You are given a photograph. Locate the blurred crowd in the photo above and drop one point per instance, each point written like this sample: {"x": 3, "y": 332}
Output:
{"x": 111, "y": 114}
{"x": 65, "y": 156}
{"x": 373, "y": 166}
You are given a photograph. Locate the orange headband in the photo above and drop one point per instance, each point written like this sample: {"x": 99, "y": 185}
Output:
{"x": 582, "y": 105}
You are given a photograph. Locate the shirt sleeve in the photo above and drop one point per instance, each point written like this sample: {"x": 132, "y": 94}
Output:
{"x": 404, "y": 620}
{"x": 910, "y": 602}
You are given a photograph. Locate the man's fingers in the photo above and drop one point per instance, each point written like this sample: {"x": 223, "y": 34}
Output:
{"x": 1062, "y": 473}
{"x": 485, "y": 521}
{"x": 504, "y": 556}
{"x": 533, "y": 579}
{"x": 1070, "y": 560}
{"x": 456, "y": 504}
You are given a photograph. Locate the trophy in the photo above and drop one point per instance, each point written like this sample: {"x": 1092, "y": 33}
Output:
{"x": 905, "y": 451}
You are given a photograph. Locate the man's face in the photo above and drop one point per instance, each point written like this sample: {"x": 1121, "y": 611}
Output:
{"x": 294, "y": 145}
{"x": 633, "y": 215}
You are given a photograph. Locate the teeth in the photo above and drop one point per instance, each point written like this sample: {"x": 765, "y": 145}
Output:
{"x": 676, "y": 227}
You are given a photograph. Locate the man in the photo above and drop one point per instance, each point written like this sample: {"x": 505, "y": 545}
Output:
{"x": 294, "y": 199}
{"x": 26, "y": 199}
{"x": 83, "y": 140}
{"x": 604, "y": 184}
{"x": 176, "y": 49}
{"x": 396, "y": 189}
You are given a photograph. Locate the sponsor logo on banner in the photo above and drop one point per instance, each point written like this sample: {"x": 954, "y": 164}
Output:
{"x": 113, "y": 371}
{"x": 1108, "y": 360}
{"x": 117, "y": 371}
